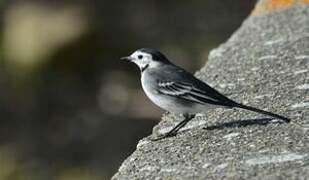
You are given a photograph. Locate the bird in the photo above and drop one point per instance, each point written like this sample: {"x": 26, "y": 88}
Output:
{"x": 179, "y": 92}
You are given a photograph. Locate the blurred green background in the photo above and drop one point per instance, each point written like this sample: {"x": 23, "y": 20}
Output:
{"x": 70, "y": 109}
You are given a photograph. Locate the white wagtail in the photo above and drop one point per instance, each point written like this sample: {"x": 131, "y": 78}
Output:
{"x": 177, "y": 91}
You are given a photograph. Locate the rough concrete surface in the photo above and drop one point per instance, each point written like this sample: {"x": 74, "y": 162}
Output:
{"x": 264, "y": 64}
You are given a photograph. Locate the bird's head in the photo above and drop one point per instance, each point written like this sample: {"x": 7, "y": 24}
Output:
{"x": 147, "y": 58}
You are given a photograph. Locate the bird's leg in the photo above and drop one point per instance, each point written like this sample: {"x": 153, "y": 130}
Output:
{"x": 174, "y": 131}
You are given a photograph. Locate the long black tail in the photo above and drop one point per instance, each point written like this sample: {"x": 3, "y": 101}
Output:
{"x": 287, "y": 120}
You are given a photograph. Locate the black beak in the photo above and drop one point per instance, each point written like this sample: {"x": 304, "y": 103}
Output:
{"x": 127, "y": 58}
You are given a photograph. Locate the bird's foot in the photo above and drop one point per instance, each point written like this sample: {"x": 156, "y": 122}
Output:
{"x": 173, "y": 132}
{"x": 163, "y": 136}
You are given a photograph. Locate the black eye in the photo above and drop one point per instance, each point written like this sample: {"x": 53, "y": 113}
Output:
{"x": 140, "y": 56}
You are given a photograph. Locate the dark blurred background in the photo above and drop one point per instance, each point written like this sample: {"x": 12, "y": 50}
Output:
{"x": 70, "y": 109}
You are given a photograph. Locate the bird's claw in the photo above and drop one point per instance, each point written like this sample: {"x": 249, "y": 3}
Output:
{"x": 163, "y": 136}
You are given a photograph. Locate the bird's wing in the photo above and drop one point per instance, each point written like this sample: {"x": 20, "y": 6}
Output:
{"x": 188, "y": 92}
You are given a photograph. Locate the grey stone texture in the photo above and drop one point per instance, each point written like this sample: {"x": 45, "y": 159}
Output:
{"x": 264, "y": 64}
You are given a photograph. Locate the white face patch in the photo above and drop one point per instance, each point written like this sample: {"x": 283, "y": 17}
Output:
{"x": 141, "y": 59}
